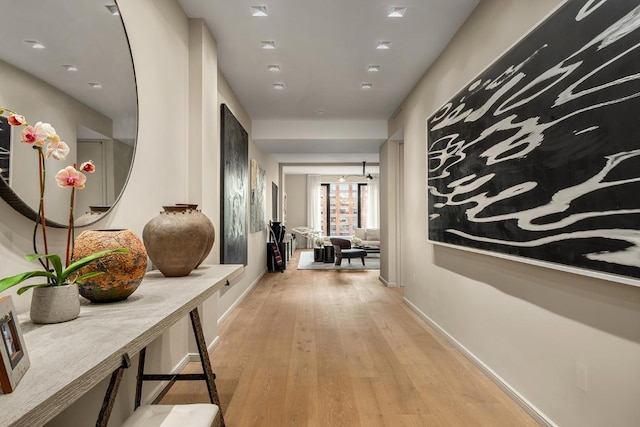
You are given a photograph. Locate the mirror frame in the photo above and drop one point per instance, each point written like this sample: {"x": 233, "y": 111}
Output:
{"x": 12, "y": 198}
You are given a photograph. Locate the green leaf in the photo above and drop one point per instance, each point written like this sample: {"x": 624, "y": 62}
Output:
{"x": 8, "y": 282}
{"x": 24, "y": 289}
{"x": 55, "y": 261}
{"x": 61, "y": 275}
{"x": 84, "y": 277}
{"x": 87, "y": 260}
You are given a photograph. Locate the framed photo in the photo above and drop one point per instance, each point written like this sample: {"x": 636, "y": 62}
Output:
{"x": 14, "y": 360}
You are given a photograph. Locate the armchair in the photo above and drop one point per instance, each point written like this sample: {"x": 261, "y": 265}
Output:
{"x": 342, "y": 248}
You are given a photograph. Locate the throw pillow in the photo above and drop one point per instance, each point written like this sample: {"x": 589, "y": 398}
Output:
{"x": 373, "y": 234}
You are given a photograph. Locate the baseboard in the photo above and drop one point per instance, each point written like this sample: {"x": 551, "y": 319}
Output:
{"x": 195, "y": 357}
{"x": 240, "y": 298}
{"x": 538, "y": 415}
{"x": 387, "y": 283}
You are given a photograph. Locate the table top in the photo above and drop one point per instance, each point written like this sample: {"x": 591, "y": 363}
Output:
{"x": 68, "y": 359}
{"x": 368, "y": 249}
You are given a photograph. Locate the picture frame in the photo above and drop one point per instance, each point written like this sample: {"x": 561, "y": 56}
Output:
{"x": 234, "y": 180}
{"x": 5, "y": 149}
{"x": 535, "y": 159}
{"x": 274, "y": 201}
{"x": 14, "y": 359}
{"x": 258, "y": 197}
{"x": 284, "y": 207}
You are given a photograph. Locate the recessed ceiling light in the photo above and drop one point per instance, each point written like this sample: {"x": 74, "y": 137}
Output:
{"x": 366, "y": 85}
{"x": 70, "y": 67}
{"x": 268, "y": 44}
{"x": 113, "y": 9}
{"x": 35, "y": 44}
{"x": 383, "y": 45}
{"x": 95, "y": 85}
{"x": 397, "y": 12}
{"x": 373, "y": 68}
{"x": 278, "y": 86}
{"x": 259, "y": 11}
{"x": 273, "y": 67}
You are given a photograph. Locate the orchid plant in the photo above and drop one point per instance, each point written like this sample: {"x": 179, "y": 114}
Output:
{"x": 46, "y": 142}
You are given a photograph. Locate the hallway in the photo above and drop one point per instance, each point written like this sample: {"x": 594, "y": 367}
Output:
{"x": 327, "y": 348}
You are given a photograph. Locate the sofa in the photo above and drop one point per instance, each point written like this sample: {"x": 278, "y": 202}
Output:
{"x": 369, "y": 236}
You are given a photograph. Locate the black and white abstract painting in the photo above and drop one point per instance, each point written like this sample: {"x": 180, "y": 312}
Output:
{"x": 5, "y": 148}
{"x": 235, "y": 189}
{"x": 539, "y": 156}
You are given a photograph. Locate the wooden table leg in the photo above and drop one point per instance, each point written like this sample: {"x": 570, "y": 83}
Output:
{"x": 140, "y": 377}
{"x": 206, "y": 362}
{"x": 112, "y": 391}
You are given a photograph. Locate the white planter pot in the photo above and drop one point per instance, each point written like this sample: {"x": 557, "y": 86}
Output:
{"x": 55, "y": 304}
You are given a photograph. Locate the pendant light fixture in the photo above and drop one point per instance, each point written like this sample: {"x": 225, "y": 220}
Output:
{"x": 364, "y": 165}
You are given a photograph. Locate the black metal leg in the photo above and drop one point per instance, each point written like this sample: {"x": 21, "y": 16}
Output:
{"x": 112, "y": 391}
{"x": 206, "y": 363}
{"x": 139, "y": 378}
{"x": 207, "y": 376}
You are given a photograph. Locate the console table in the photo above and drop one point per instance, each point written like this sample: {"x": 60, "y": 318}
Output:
{"x": 68, "y": 359}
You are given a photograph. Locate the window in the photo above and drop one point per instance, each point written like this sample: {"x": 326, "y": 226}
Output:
{"x": 342, "y": 208}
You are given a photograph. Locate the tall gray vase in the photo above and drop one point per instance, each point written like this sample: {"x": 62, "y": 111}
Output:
{"x": 177, "y": 239}
{"x": 211, "y": 231}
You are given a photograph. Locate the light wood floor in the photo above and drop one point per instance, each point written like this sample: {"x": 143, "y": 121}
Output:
{"x": 328, "y": 348}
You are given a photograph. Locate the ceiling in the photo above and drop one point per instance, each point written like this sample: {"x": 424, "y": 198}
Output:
{"x": 323, "y": 48}
{"x": 86, "y": 35}
{"x": 322, "y": 117}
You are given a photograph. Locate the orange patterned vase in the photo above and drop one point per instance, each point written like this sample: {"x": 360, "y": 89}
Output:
{"x": 123, "y": 272}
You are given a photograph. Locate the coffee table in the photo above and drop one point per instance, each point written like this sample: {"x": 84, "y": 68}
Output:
{"x": 369, "y": 249}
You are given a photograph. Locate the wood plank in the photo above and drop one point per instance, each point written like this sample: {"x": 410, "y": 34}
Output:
{"x": 319, "y": 348}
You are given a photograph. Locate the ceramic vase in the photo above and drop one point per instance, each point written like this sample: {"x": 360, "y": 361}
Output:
{"x": 123, "y": 272}
{"x": 177, "y": 240}
{"x": 55, "y": 304}
{"x": 211, "y": 232}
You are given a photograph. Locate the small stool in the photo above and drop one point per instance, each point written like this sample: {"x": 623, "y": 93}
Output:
{"x": 194, "y": 415}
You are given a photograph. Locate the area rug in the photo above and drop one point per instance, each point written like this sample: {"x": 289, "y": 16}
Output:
{"x": 305, "y": 262}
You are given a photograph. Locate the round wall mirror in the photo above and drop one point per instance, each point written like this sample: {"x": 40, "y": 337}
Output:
{"x": 67, "y": 63}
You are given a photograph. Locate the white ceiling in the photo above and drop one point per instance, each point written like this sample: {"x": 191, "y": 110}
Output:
{"x": 323, "y": 48}
{"x": 75, "y": 32}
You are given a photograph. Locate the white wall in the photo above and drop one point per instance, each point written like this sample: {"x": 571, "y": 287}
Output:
{"x": 296, "y": 201}
{"x": 39, "y": 101}
{"x": 257, "y": 241}
{"x": 176, "y": 160}
{"x": 532, "y": 326}
{"x": 390, "y": 209}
